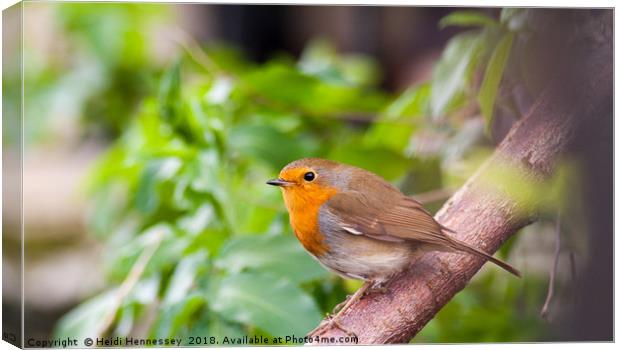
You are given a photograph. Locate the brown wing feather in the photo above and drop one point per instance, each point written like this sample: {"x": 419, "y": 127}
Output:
{"x": 399, "y": 220}
{"x": 404, "y": 219}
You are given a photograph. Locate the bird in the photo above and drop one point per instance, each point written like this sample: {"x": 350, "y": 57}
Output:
{"x": 360, "y": 226}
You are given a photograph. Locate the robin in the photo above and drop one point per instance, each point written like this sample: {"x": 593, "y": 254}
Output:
{"x": 360, "y": 226}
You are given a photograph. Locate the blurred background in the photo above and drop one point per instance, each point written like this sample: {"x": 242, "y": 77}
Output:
{"x": 150, "y": 130}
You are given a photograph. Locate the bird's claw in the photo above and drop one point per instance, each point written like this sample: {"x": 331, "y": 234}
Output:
{"x": 335, "y": 323}
{"x": 331, "y": 322}
{"x": 378, "y": 287}
{"x": 340, "y": 305}
{"x": 380, "y": 290}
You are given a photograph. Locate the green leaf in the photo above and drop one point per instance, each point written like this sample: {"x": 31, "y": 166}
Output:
{"x": 384, "y": 162}
{"x": 394, "y": 127}
{"x": 467, "y": 18}
{"x": 211, "y": 324}
{"x": 492, "y": 78}
{"x": 228, "y": 58}
{"x": 321, "y": 59}
{"x": 145, "y": 291}
{"x": 515, "y": 19}
{"x": 469, "y": 134}
{"x": 174, "y": 318}
{"x": 147, "y": 197}
{"x": 86, "y": 319}
{"x": 170, "y": 93}
{"x": 272, "y": 304}
{"x": 453, "y": 72}
{"x": 269, "y": 144}
{"x": 184, "y": 275}
{"x": 281, "y": 86}
{"x": 122, "y": 255}
{"x": 126, "y": 320}
{"x": 280, "y": 255}
{"x": 411, "y": 103}
{"x": 218, "y": 327}
{"x": 197, "y": 220}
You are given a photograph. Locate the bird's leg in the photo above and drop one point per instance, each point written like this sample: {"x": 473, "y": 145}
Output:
{"x": 335, "y": 320}
{"x": 378, "y": 287}
{"x": 373, "y": 287}
{"x": 355, "y": 297}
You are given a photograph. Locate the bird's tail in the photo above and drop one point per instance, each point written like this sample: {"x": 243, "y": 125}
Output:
{"x": 462, "y": 246}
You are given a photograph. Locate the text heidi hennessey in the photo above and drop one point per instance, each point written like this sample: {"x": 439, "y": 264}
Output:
{"x": 189, "y": 341}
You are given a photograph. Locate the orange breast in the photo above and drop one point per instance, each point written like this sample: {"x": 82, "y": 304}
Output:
{"x": 303, "y": 207}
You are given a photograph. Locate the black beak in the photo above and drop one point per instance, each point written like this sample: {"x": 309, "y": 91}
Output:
{"x": 279, "y": 182}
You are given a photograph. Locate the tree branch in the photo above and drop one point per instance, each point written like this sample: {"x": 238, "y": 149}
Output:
{"x": 485, "y": 217}
{"x": 544, "y": 312}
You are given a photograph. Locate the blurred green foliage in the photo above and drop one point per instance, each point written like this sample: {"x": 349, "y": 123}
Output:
{"x": 105, "y": 62}
{"x": 203, "y": 246}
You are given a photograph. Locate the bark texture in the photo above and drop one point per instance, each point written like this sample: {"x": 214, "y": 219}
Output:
{"x": 484, "y": 215}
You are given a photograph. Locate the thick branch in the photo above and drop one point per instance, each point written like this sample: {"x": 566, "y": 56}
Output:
{"x": 484, "y": 216}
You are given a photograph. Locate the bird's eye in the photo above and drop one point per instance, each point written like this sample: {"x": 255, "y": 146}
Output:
{"x": 309, "y": 176}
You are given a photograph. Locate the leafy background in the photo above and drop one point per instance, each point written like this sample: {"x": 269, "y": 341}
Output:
{"x": 195, "y": 243}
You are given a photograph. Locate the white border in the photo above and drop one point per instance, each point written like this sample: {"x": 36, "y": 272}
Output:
{"x": 453, "y": 3}
{"x": 476, "y": 3}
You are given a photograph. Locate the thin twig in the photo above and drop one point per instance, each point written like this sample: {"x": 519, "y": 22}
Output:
{"x": 130, "y": 281}
{"x": 194, "y": 50}
{"x": 544, "y": 313}
{"x": 433, "y": 196}
{"x": 573, "y": 275}
{"x": 573, "y": 268}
